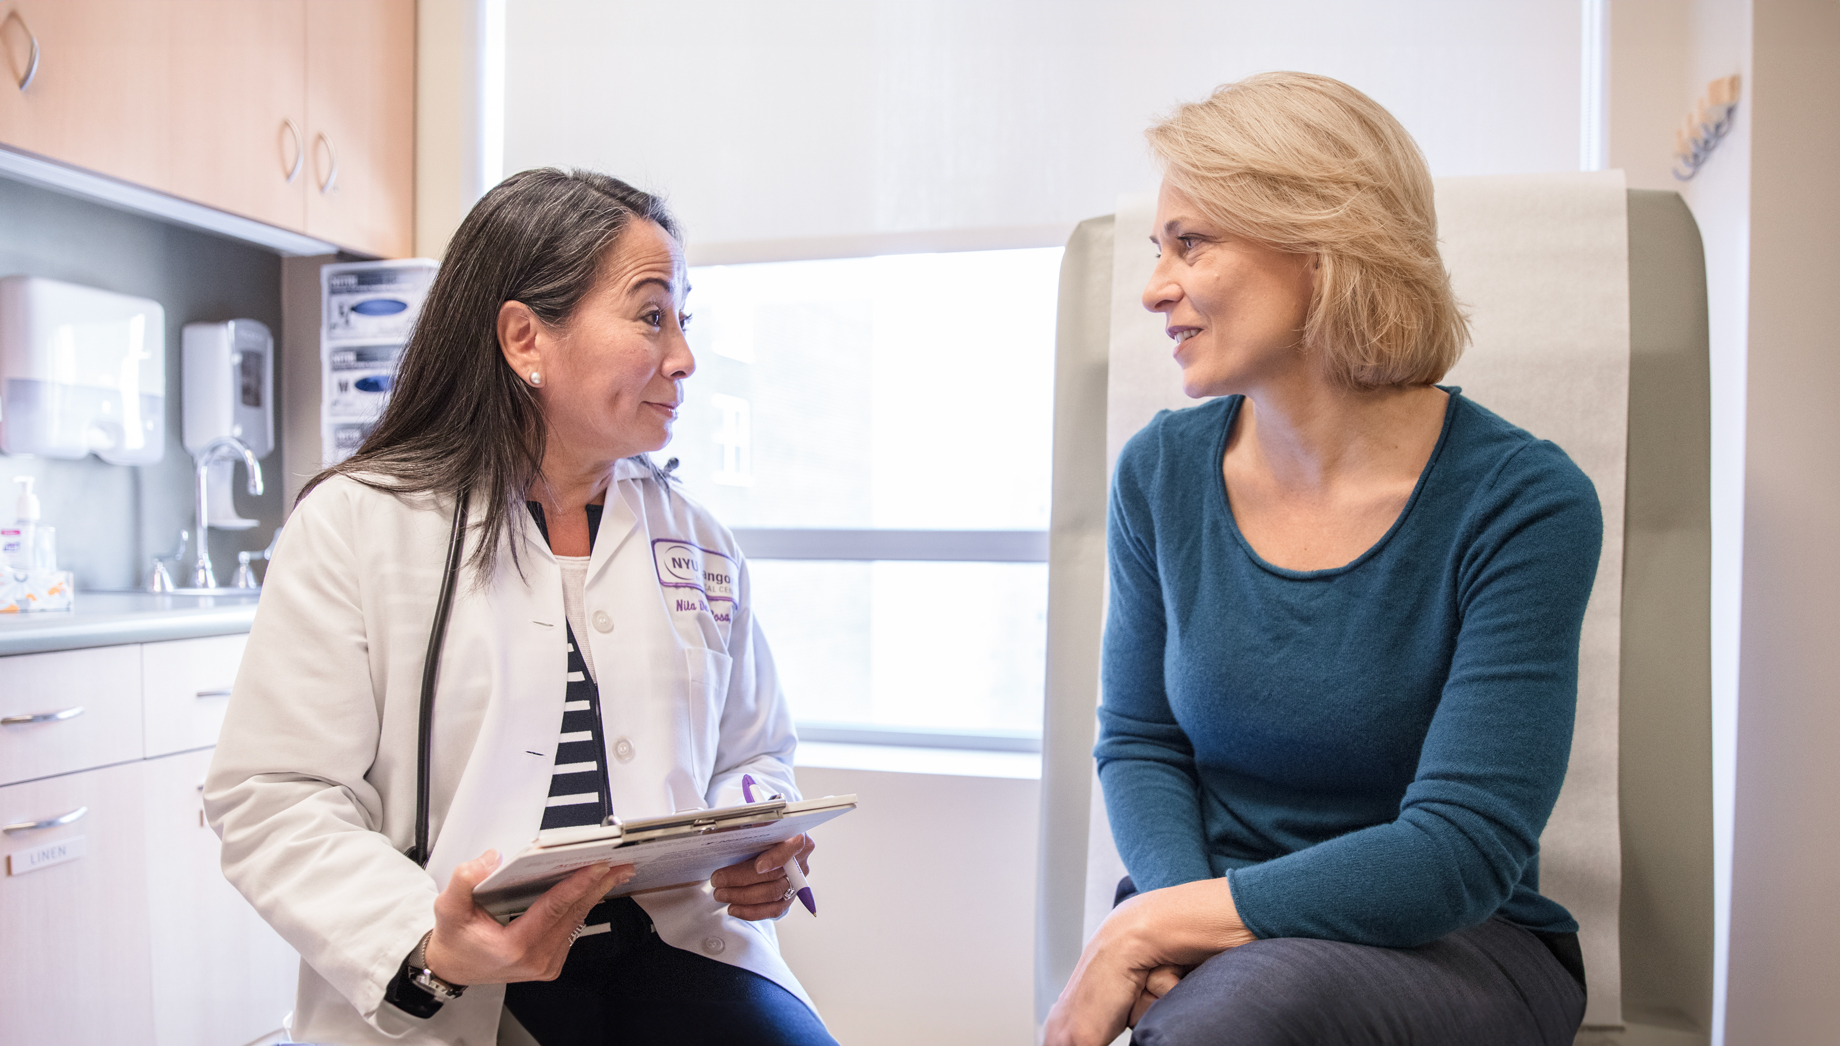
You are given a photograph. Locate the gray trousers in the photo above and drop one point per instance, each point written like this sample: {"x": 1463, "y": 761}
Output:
{"x": 1494, "y": 984}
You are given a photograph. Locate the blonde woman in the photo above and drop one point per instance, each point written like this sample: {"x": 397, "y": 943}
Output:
{"x": 1341, "y": 655}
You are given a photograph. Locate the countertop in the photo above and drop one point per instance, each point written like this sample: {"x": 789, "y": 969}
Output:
{"x": 109, "y": 618}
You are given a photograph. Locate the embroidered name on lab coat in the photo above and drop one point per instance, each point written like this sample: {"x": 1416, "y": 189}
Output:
{"x": 703, "y": 579}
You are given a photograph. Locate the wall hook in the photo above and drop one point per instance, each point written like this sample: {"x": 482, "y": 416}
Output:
{"x": 1705, "y": 128}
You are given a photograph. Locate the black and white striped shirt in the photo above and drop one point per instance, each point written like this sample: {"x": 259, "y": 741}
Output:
{"x": 578, "y": 789}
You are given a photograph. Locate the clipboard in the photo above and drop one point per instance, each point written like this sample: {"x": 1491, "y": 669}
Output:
{"x": 675, "y": 850}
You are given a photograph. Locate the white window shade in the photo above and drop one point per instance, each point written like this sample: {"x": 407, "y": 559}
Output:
{"x": 803, "y": 128}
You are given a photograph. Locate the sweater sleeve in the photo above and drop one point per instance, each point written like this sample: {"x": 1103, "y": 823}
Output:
{"x": 1495, "y": 755}
{"x": 1146, "y": 763}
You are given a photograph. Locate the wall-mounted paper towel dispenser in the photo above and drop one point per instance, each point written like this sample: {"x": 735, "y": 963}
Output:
{"x": 81, "y": 371}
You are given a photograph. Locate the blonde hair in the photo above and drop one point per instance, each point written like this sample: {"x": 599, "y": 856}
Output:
{"x": 1307, "y": 164}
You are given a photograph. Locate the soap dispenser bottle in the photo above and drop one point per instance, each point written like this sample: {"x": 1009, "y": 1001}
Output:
{"x": 28, "y": 544}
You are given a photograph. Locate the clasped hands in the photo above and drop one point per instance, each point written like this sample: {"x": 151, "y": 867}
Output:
{"x": 1141, "y": 951}
{"x": 470, "y": 947}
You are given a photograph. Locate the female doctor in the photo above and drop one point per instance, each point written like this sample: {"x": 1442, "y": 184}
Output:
{"x": 582, "y": 676}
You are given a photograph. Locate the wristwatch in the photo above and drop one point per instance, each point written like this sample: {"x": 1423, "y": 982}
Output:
{"x": 415, "y": 989}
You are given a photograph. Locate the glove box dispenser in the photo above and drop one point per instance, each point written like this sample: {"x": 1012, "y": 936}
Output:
{"x": 81, "y": 371}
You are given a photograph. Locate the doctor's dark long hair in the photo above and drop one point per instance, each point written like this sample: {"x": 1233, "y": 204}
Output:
{"x": 458, "y": 417}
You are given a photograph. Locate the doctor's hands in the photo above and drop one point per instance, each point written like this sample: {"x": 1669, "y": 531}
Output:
{"x": 758, "y": 889}
{"x": 470, "y": 947}
{"x": 1140, "y": 952}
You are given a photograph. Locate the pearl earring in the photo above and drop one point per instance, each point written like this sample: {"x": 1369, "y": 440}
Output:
{"x": 535, "y": 378}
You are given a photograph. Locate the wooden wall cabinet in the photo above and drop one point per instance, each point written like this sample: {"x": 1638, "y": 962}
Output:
{"x": 100, "y": 94}
{"x": 239, "y": 83}
{"x": 298, "y": 113}
{"x": 361, "y": 116}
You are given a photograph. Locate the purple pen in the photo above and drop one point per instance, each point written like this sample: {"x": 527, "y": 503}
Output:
{"x": 797, "y": 879}
{"x": 793, "y": 876}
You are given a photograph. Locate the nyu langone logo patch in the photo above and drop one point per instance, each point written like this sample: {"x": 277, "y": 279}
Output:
{"x": 704, "y": 576}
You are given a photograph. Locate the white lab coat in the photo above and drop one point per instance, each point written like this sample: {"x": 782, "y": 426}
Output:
{"x": 313, "y": 784}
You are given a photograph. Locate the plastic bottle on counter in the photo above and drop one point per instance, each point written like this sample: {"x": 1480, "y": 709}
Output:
{"x": 28, "y": 544}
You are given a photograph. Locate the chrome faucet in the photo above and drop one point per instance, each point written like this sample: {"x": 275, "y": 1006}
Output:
{"x": 221, "y": 447}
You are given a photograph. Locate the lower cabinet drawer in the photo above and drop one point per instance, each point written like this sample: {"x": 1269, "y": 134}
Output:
{"x": 118, "y": 925}
{"x": 73, "y": 910}
{"x": 69, "y": 710}
{"x": 186, "y": 684}
{"x": 221, "y": 977}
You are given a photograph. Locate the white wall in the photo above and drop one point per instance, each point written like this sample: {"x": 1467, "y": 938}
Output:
{"x": 855, "y": 120}
{"x": 925, "y": 910}
{"x": 1786, "y": 837}
{"x": 459, "y": 112}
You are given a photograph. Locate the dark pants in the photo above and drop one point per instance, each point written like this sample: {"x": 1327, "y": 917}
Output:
{"x": 628, "y": 986}
{"x": 1496, "y": 983}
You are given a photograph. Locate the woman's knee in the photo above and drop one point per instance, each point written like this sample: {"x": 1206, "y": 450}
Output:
{"x": 1268, "y": 993}
{"x": 1458, "y": 990}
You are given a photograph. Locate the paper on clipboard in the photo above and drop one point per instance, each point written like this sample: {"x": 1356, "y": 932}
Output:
{"x": 666, "y": 851}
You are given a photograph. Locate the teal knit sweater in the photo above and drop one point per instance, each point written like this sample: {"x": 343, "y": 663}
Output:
{"x": 1370, "y": 752}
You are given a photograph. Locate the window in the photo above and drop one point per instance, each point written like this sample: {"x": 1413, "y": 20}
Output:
{"x": 877, "y": 431}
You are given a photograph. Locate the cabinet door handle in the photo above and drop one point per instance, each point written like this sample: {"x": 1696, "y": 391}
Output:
{"x": 332, "y": 176}
{"x": 300, "y": 149}
{"x": 225, "y": 692}
{"x": 32, "y": 62}
{"x": 55, "y": 822}
{"x": 42, "y": 717}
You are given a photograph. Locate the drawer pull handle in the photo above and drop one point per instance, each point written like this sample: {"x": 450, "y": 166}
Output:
{"x": 31, "y": 72}
{"x": 332, "y": 176}
{"x": 55, "y": 822}
{"x": 42, "y": 717}
{"x": 225, "y": 692}
{"x": 300, "y": 159}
